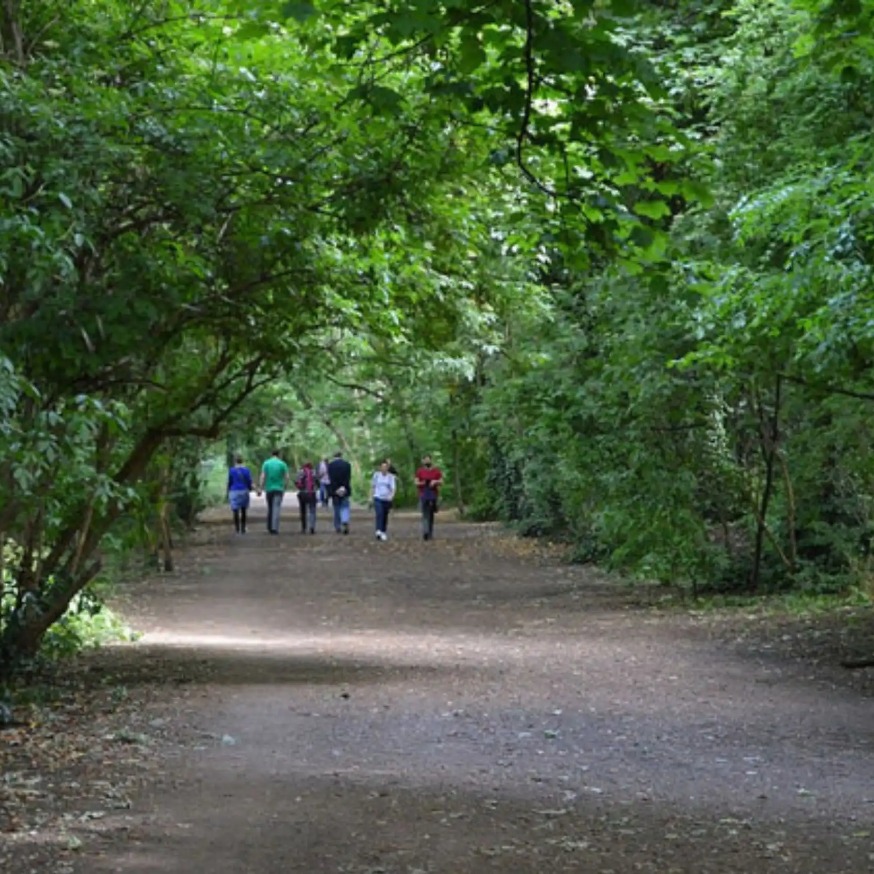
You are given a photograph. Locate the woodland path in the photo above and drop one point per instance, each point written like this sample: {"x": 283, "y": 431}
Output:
{"x": 334, "y": 704}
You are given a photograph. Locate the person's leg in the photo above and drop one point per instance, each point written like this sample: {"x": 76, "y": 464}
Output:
{"x": 386, "y": 509}
{"x": 274, "y": 501}
{"x": 427, "y": 518}
{"x": 344, "y": 514}
{"x": 337, "y": 523}
{"x": 243, "y": 514}
{"x": 311, "y": 510}
{"x": 378, "y": 514}
{"x": 269, "y": 498}
{"x": 302, "y": 510}
{"x": 277, "y": 503}
{"x": 236, "y": 521}
{"x": 423, "y": 507}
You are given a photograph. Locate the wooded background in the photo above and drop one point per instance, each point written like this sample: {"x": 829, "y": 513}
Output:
{"x": 608, "y": 261}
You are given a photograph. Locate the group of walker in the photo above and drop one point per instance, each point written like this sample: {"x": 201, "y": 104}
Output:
{"x": 330, "y": 482}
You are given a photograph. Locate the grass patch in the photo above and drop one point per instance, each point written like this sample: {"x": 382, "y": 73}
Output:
{"x": 784, "y": 603}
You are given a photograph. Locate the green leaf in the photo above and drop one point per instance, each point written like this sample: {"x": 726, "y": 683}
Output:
{"x": 697, "y": 192}
{"x": 379, "y": 96}
{"x": 299, "y": 11}
{"x": 252, "y": 30}
{"x": 654, "y": 209}
{"x": 473, "y": 55}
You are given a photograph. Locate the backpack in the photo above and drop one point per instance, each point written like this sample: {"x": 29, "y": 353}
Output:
{"x": 306, "y": 480}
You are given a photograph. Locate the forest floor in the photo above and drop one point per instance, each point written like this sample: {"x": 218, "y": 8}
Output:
{"x": 471, "y": 704}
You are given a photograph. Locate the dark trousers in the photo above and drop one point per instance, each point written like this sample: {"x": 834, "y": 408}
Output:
{"x": 307, "y": 506}
{"x": 382, "y": 509}
{"x": 429, "y": 508}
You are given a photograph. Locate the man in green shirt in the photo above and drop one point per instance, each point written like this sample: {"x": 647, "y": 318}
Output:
{"x": 274, "y": 482}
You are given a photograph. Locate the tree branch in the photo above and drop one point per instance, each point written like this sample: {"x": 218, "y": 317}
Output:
{"x": 523, "y": 133}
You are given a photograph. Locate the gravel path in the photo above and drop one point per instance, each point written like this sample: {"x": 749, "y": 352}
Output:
{"x": 335, "y": 704}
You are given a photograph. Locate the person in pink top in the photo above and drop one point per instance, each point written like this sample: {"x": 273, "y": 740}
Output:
{"x": 429, "y": 478}
{"x": 307, "y": 485}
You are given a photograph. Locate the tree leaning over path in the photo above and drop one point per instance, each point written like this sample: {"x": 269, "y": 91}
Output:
{"x": 179, "y": 223}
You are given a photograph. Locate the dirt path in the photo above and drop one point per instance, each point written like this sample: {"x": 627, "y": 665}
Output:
{"x": 334, "y": 704}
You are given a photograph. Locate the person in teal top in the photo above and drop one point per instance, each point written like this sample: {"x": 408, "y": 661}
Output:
{"x": 274, "y": 482}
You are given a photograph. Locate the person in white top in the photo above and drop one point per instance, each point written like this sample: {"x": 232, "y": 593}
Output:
{"x": 324, "y": 482}
{"x": 382, "y": 490}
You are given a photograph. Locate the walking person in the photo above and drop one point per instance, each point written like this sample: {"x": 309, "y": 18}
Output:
{"x": 306, "y": 485}
{"x": 273, "y": 482}
{"x": 382, "y": 490}
{"x": 340, "y": 474}
{"x": 324, "y": 482}
{"x": 239, "y": 486}
{"x": 429, "y": 478}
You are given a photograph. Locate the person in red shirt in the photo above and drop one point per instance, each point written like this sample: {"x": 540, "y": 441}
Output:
{"x": 428, "y": 481}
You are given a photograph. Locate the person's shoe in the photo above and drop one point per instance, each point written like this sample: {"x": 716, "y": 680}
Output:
{"x": 312, "y": 530}
{"x": 379, "y": 535}
{"x": 383, "y": 536}
{"x": 345, "y": 529}
{"x": 426, "y": 536}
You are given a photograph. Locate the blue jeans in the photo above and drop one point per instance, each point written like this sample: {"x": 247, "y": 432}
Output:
{"x": 381, "y": 508}
{"x": 274, "y": 502}
{"x": 341, "y": 512}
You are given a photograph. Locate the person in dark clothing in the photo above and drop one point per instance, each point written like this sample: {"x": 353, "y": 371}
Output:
{"x": 306, "y": 483}
{"x": 340, "y": 474}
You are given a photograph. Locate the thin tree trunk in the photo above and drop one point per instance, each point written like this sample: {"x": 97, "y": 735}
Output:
{"x": 457, "y": 474}
{"x": 166, "y": 542}
{"x": 11, "y": 33}
{"x": 790, "y": 512}
{"x": 86, "y": 524}
{"x": 770, "y": 435}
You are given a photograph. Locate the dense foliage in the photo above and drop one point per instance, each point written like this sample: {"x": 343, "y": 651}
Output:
{"x": 609, "y": 261}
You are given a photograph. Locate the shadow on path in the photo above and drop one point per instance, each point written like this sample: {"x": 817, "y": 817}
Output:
{"x": 333, "y": 704}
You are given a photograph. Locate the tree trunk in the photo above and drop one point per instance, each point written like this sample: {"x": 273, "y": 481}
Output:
{"x": 457, "y": 474}
{"x": 22, "y": 636}
{"x": 770, "y": 436}
{"x": 165, "y": 540}
{"x": 11, "y": 34}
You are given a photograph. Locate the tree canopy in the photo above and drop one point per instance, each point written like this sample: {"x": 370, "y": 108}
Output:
{"x": 609, "y": 260}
